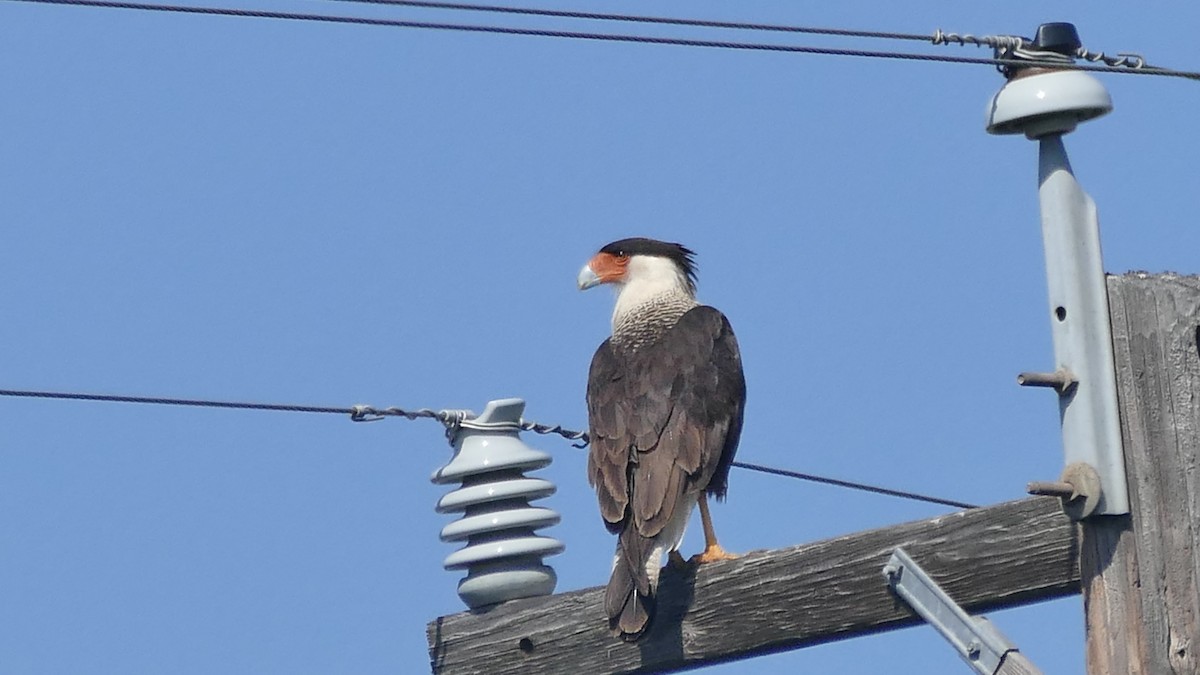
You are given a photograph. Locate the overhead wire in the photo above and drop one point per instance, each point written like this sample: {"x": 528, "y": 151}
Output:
{"x": 450, "y": 418}
{"x": 863, "y": 487}
{"x": 659, "y": 20}
{"x": 615, "y": 37}
{"x": 358, "y": 413}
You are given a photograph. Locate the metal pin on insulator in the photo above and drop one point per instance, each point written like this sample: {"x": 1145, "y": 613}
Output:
{"x": 502, "y": 556}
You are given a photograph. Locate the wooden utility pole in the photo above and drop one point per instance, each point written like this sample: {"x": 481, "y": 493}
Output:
{"x": 767, "y": 601}
{"x": 1141, "y": 572}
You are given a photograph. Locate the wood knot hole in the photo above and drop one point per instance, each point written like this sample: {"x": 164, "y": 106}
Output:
{"x": 525, "y": 645}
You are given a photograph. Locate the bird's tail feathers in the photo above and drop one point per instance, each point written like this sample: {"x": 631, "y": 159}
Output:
{"x": 629, "y": 598}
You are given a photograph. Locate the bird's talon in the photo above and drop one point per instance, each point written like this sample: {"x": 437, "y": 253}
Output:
{"x": 713, "y": 554}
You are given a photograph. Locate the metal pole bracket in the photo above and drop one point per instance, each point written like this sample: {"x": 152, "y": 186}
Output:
{"x": 976, "y": 640}
{"x": 1044, "y": 104}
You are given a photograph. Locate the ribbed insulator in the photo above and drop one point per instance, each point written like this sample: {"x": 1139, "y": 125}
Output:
{"x": 502, "y": 556}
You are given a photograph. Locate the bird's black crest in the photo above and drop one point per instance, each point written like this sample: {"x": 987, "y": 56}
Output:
{"x": 681, "y": 255}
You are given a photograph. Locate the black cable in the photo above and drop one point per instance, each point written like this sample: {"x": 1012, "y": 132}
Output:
{"x": 627, "y": 18}
{"x": 640, "y": 39}
{"x": 175, "y": 401}
{"x": 362, "y": 413}
{"x": 359, "y": 413}
{"x": 855, "y": 486}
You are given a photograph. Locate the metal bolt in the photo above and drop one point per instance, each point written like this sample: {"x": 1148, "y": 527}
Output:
{"x": 1053, "y": 489}
{"x": 1061, "y": 380}
{"x": 892, "y": 572}
{"x": 1079, "y": 488}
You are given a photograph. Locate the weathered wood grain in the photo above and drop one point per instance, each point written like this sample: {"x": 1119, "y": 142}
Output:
{"x": 768, "y": 601}
{"x": 1141, "y": 572}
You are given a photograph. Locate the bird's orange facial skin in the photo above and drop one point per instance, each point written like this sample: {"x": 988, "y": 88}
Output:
{"x": 609, "y": 267}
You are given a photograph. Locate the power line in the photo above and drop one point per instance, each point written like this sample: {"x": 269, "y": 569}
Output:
{"x": 358, "y": 413}
{"x": 938, "y": 37}
{"x": 864, "y": 487}
{"x": 613, "y": 37}
{"x": 450, "y": 418}
{"x": 854, "y": 486}
{"x": 668, "y": 21}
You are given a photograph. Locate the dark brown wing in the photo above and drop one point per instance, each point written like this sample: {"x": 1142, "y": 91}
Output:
{"x": 665, "y": 420}
{"x": 608, "y": 408}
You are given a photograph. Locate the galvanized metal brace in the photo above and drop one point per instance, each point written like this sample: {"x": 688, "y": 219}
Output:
{"x": 1044, "y": 104}
{"x": 1081, "y": 326}
{"x": 976, "y": 640}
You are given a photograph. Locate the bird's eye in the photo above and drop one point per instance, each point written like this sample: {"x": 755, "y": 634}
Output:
{"x": 622, "y": 254}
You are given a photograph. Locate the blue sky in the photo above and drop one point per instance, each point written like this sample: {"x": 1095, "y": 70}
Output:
{"x": 310, "y": 213}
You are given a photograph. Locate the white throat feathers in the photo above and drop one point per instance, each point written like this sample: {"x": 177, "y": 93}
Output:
{"x": 650, "y": 299}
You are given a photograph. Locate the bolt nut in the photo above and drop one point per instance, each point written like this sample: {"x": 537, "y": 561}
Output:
{"x": 974, "y": 649}
{"x": 1086, "y": 481}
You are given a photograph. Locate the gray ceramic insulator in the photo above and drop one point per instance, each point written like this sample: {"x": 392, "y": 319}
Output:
{"x": 502, "y": 556}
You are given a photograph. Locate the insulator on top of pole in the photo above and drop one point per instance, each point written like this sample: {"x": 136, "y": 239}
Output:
{"x": 1038, "y": 100}
{"x": 1044, "y": 103}
{"x": 502, "y": 556}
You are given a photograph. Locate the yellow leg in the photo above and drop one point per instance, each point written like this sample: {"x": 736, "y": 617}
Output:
{"x": 712, "y": 550}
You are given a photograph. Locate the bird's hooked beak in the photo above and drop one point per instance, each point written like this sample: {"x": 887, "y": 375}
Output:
{"x": 603, "y": 268}
{"x": 588, "y": 278}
